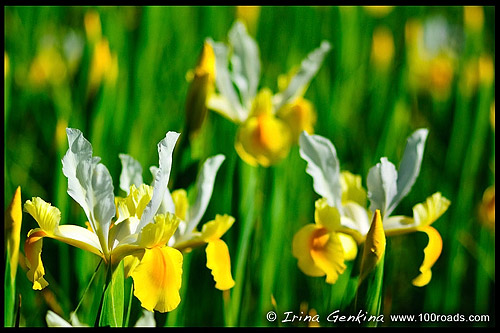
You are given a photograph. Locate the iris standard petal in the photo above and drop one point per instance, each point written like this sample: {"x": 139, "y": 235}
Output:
{"x": 219, "y": 262}
{"x": 157, "y": 279}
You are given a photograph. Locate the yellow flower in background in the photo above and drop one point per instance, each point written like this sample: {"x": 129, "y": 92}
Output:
{"x": 139, "y": 232}
{"x": 268, "y": 124}
{"x": 431, "y": 56}
{"x": 201, "y": 87}
{"x": 387, "y": 186}
{"x": 6, "y": 64}
{"x": 186, "y": 236}
{"x": 12, "y": 231}
{"x": 486, "y": 69}
{"x": 474, "y": 18}
{"x": 378, "y": 11}
{"x": 487, "y": 208}
{"x": 322, "y": 248}
{"x": 104, "y": 63}
{"x": 249, "y": 15}
{"x": 382, "y": 47}
{"x": 263, "y": 138}
{"x": 48, "y": 67}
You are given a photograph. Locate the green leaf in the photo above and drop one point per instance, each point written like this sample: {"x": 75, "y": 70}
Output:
{"x": 9, "y": 297}
{"x": 112, "y": 310}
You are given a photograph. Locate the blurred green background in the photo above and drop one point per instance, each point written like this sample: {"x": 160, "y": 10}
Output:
{"x": 119, "y": 75}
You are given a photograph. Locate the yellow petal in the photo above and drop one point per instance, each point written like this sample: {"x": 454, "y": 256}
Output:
{"x": 374, "y": 246}
{"x": 328, "y": 254}
{"x": 181, "y": 203}
{"x": 13, "y": 220}
{"x": 214, "y": 229}
{"x": 301, "y": 249}
{"x": 219, "y": 262}
{"x": 326, "y": 216}
{"x": 349, "y": 246}
{"x": 158, "y": 233}
{"x": 33, "y": 251}
{"x": 299, "y": 116}
{"x": 263, "y": 139}
{"x": 319, "y": 252}
{"x": 46, "y": 215}
{"x": 157, "y": 279}
{"x": 431, "y": 254}
{"x": 429, "y": 211}
{"x": 352, "y": 190}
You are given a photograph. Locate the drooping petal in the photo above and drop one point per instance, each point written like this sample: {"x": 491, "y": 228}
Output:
{"x": 33, "y": 251}
{"x": 431, "y": 254}
{"x": 165, "y": 150}
{"x": 219, "y": 262}
{"x": 54, "y": 320}
{"x": 263, "y": 140}
{"x": 323, "y": 166}
{"x": 204, "y": 187}
{"x": 48, "y": 217}
{"x": 157, "y": 279}
{"x": 301, "y": 249}
{"x": 328, "y": 254}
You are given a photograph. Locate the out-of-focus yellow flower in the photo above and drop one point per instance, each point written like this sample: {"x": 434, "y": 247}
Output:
{"x": 12, "y": 231}
{"x": 249, "y": 15}
{"x": 487, "y": 208}
{"x": 431, "y": 63}
{"x": 6, "y": 63}
{"x": 269, "y": 124}
{"x": 440, "y": 76}
{"x": 138, "y": 235}
{"x": 322, "y": 248}
{"x": 201, "y": 87}
{"x": 486, "y": 69}
{"x": 492, "y": 115}
{"x": 104, "y": 65}
{"x": 473, "y": 17}
{"x": 378, "y": 11}
{"x": 382, "y": 47}
{"x": 263, "y": 138}
{"x": 92, "y": 23}
{"x": 48, "y": 67}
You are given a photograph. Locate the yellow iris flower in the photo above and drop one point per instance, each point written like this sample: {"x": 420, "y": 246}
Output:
{"x": 342, "y": 192}
{"x": 140, "y": 232}
{"x": 186, "y": 237}
{"x": 268, "y": 124}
